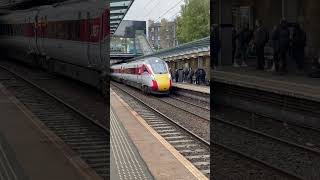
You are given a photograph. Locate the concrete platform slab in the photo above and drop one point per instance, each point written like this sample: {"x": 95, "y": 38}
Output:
{"x": 193, "y": 87}
{"x": 291, "y": 84}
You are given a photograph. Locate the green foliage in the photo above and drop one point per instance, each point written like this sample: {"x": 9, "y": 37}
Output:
{"x": 194, "y": 22}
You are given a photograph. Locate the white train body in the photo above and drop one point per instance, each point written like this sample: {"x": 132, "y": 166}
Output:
{"x": 151, "y": 75}
{"x": 70, "y": 38}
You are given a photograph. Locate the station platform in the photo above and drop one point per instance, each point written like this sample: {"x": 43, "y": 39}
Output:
{"x": 192, "y": 87}
{"x": 139, "y": 151}
{"x": 29, "y": 152}
{"x": 290, "y": 84}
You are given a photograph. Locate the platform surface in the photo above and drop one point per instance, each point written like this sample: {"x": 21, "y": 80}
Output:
{"x": 25, "y": 153}
{"x": 126, "y": 161}
{"x": 192, "y": 87}
{"x": 159, "y": 158}
{"x": 290, "y": 84}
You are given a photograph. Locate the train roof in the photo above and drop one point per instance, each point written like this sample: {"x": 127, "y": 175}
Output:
{"x": 148, "y": 59}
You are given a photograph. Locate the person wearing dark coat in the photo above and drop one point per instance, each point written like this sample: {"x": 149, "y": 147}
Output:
{"x": 261, "y": 37}
{"x": 284, "y": 42}
{"x": 234, "y": 45}
{"x": 203, "y": 76}
{"x": 180, "y": 75}
{"x": 177, "y": 75}
{"x": 298, "y": 45}
{"x": 244, "y": 37}
{"x": 190, "y": 75}
{"x": 173, "y": 74}
{"x": 185, "y": 74}
{"x": 197, "y": 74}
{"x": 275, "y": 46}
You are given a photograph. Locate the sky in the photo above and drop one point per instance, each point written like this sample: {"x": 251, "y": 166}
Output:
{"x": 143, "y": 10}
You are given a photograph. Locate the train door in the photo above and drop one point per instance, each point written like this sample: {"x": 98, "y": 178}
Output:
{"x": 41, "y": 34}
{"x": 36, "y": 33}
{"x": 29, "y": 33}
{"x": 93, "y": 49}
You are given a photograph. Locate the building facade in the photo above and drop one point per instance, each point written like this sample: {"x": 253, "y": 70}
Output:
{"x": 154, "y": 34}
{"x": 162, "y": 35}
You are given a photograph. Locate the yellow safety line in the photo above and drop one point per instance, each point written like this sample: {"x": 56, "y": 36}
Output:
{"x": 165, "y": 143}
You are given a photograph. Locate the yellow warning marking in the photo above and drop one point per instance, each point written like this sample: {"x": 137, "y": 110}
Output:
{"x": 165, "y": 143}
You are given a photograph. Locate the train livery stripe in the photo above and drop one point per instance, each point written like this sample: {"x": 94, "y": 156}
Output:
{"x": 85, "y": 30}
{"x": 135, "y": 70}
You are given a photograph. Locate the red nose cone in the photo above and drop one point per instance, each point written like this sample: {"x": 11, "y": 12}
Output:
{"x": 154, "y": 86}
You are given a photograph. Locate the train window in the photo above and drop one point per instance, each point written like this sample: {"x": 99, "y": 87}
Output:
{"x": 159, "y": 67}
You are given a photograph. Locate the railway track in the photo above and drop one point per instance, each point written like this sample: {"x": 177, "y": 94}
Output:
{"x": 188, "y": 107}
{"x": 85, "y": 136}
{"x": 201, "y": 104}
{"x": 190, "y": 145}
{"x": 72, "y": 92}
{"x": 181, "y": 113}
{"x": 270, "y": 128}
{"x": 230, "y": 163}
{"x": 282, "y": 155}
{"x": 298, "y": 134}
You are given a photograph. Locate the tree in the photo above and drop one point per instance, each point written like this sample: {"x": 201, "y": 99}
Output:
{"x": 194, "y": 22}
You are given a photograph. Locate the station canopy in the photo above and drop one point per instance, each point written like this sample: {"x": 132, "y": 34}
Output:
{"x": 118, "y": 10}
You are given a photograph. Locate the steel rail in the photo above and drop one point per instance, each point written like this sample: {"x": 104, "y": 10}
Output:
{"x": 187, "y": 102}
{"x": 203, "y": 141}
{"x": 57, "y": 99}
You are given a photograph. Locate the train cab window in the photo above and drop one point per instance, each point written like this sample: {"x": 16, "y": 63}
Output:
{"x": 159, "y": 67}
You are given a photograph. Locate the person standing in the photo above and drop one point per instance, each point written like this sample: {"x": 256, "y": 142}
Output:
{"x": 190, "y": 75}
{"x": 261, "y": 37}
{"x": 284, "y": 42}
{"x": 234, "y": 46}
{"x": 275, "y": 46}
{"x": 203, "y": 76}
{"x": 245, "y": 36}
{"x": 177, "y": 75}
{"x": 173, "y": 74}
{"x": 197, "y": 75}
{"x": 298, "y": 45}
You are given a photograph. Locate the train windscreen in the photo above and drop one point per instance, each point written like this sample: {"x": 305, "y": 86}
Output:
{"x": 159, "y": 67}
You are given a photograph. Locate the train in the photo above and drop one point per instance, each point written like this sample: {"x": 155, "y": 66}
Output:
{"x": 69, "y": 38}
{"x": 150, "y": 75}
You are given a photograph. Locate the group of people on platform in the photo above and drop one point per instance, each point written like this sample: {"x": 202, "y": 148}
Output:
{"x": 283, "y": 43}
{"x": 285, "y": 39}
{"x": 188, "y": 75}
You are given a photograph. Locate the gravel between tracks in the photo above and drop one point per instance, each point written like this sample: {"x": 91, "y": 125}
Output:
{"x": 191, "y": 100}
{"x": 292, "y": 159}
{"x": 228, "y": 165}
{"x": 196, "y": 110}
{"x": 289, "y": 132}
{"x": 83, "y": 136}
{"x": 81, "y": 96}
{"x": 189, "y": 121}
